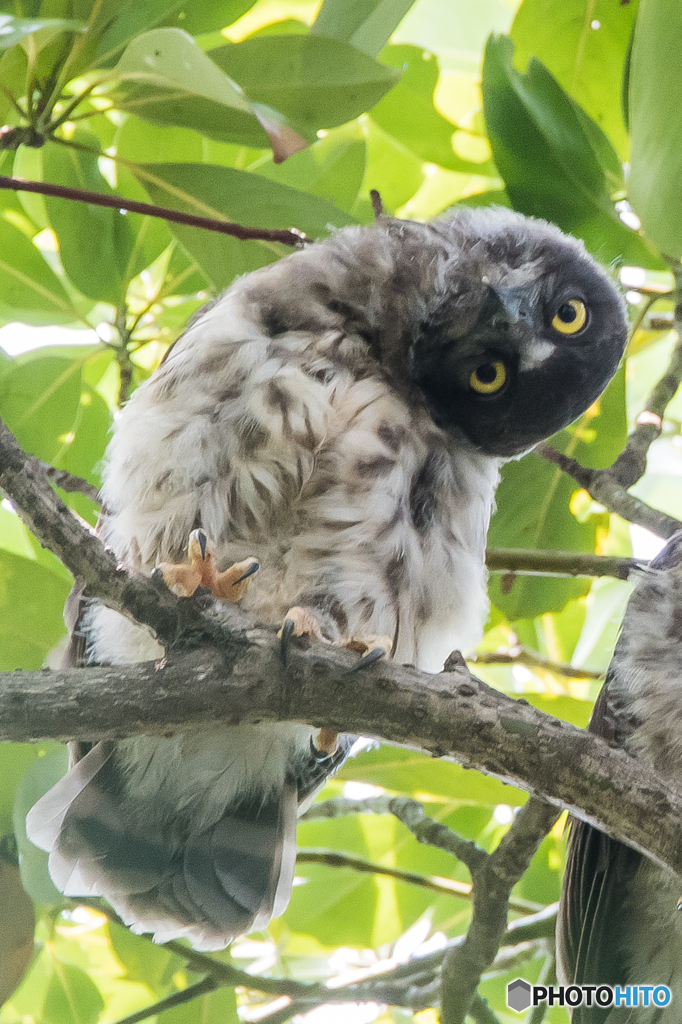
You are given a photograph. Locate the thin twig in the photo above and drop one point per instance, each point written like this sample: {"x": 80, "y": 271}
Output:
{"x": 602, "y": 485}
{"x": 291, "y": 236}
{"x": 70, "y": 483}
{"x": 335, "y": 859}
{"x": 527, "y": 561}
{"x": 524, "y": 656}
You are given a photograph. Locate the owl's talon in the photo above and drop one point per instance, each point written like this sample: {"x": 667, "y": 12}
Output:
{"x": 372, "y": 649}
{"x": 371, "y": 658}
{"x": 285, "y": 634}
{"x": 185, "y": 579}
{"x": 297, "y": 622}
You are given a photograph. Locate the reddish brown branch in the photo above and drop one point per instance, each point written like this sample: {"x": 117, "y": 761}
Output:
{"x": 288, "y": 236}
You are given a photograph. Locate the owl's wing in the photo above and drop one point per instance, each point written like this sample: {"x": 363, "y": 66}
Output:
{"x": 592, "y": 929}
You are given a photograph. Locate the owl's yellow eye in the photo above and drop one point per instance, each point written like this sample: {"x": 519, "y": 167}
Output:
{"x": 488, "y": 377}
{"x": 570, "y": 317}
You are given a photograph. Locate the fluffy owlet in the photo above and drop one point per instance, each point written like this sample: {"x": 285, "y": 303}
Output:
{"x": 337, "y": 420}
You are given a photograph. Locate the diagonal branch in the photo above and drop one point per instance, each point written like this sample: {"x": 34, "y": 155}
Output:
{"x": 610, "y": 486}
{"x": 288, "y": 236}
{"x": 493, "y": 880}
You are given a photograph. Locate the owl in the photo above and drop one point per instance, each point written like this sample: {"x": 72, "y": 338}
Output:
{"x": 620, "y": 920}
{"x": 335, "y": 421}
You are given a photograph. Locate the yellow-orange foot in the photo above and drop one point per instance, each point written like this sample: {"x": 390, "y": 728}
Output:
{"x": 200, "y": 571}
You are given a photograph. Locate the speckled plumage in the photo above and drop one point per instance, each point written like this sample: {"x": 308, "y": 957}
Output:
{"x": 619, "y": 923}
{"x": 318, "y": 416}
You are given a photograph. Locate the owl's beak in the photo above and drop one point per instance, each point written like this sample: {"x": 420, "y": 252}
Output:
{"x": 503, "y": 308}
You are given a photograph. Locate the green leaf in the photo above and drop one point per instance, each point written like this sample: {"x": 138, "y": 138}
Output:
{"x": 39, "y": 399}
{"x": 656, "y": 124}
{"x": 15, "y": 30}
{"x": 165, "y": 78}
{"x": 218, "y": 1007}
{"x": 409, "y": 115}
{"x": 333, "y": 168}
{"x": 416, "y": 775}
{"x": 15, "y": 759}
{"x": 245, "y": 198}
{"x": 552, "y": 163}
{"x": 13, "y": 65}
{"x": 72, "y": 998}
{"x": 143, "y": 961}
{"x": 34, "y": 783}
{"x": 95, "y": 243}
{"x": 209, "y": 15}
{"x": 30, "y": 290}
{"x": 31, "y": 602}
{"x": 595, "y": 440}
{"x": 587, "y": 61}
{"x": 365, "y": 24}
{"x": 315, "y": 81}
{"x": 131, "y": 19}
{"x": 396, "y": 171}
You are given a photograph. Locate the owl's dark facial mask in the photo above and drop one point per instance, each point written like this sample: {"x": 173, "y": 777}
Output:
{"x": 535, "y": 360}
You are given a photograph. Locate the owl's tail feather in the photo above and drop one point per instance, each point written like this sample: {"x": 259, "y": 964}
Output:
{"x": 208, "y": 886}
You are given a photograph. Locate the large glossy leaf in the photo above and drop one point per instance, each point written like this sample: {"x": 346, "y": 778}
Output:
{"x": 165, "y": 78}
{"x": 30, "y": 290}
{"x": 584, "y": 46}
{"x": 315, "y": 81}
{"x": 553, "y": 158}
{"x": 409, "y": 115}
{"x": 246, "y": 198}
{"x": 367, "y": 25}
{"x": 656, "y": 124}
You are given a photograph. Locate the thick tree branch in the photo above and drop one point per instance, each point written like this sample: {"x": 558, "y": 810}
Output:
{"x": 240, "y": 678}
{"x": 291, "y": 236}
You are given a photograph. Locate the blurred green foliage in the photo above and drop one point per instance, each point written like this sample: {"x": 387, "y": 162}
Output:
{"x": 195, "y": 104}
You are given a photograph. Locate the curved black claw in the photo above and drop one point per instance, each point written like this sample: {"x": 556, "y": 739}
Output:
{"x": 371, "y": 658}
{"x": 254, "y": 567}
{"x": 320, "y": 757}
{"x": 286, "y": 633}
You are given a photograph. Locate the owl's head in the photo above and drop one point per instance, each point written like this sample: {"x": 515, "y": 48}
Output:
{"x": 521, "y": 332}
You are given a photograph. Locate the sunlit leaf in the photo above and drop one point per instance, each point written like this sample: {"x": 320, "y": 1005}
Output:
{"x": 30, "y": 290}
{"x": 656, "y": 124}
{"x": 584, "y": 46}
{"x": 15, "y": 30}
{"x": 366, "y": 26}
{"x": 72, "y": 997}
